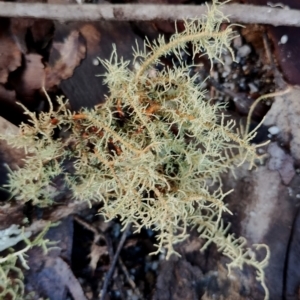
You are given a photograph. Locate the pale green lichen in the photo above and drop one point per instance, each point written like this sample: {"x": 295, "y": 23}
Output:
{"x": 152, "y": 152}
{"x": 12, "y": 235}
{"x": 12, "y": 264}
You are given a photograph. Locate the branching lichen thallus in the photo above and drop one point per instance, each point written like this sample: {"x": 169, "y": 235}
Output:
{"x": 152, "y": 151}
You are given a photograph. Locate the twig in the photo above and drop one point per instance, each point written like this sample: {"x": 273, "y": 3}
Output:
{"x": 113, "y": 263}
{"x": 110, "y": 247}
{"x": 275, "y": 94}
{"x": 268, "y": 51}
{"x": 278, "y": 76}
{"x": 55, "y": 214}
{"x": 146, "y": 12}
{"x": 86, "y": 225}
{"x": 126, "y": 273}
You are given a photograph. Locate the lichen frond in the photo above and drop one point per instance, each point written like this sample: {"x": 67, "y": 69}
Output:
{"x": 13, "y": 263}
{"x": 153, "y": 153}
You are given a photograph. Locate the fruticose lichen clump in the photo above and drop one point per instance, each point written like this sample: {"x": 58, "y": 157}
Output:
{"x": 152, "y": 152}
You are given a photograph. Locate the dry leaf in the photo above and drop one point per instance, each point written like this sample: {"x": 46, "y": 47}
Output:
{"x": 10, "y": 56}
{"x": 32, "y": 79}
{"x": 19, "y": 28}
{"x": 85, "y": 88}
{"x": 7, "y": 95}
{"x": 96, "y": 253}
{"x": 54, "y": 280}
{"x": 237, "y": 286}
{"x": 11, "y": 156}
{"x": 66, "y": 276}
{"x": 177, "y": 280}
{"x": 70, "y": 53}
{"x": 50, "y": 275}
{"x": 92, "y": 37}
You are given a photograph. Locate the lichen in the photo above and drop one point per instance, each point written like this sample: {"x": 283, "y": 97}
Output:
{"x": 153, "y": 153}
{"x": 13, "y": 263}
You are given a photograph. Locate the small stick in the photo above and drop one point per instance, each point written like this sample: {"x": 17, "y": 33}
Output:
{"x": 278, "y": 77}
{"x": 275, "y": 94}
{"x": 113, "y": 263}
{"x": 240, "y": 13}
{"x": 268, "y": 51}
{"x": 126, "y": 273}
{"x": 86, "y": 225}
